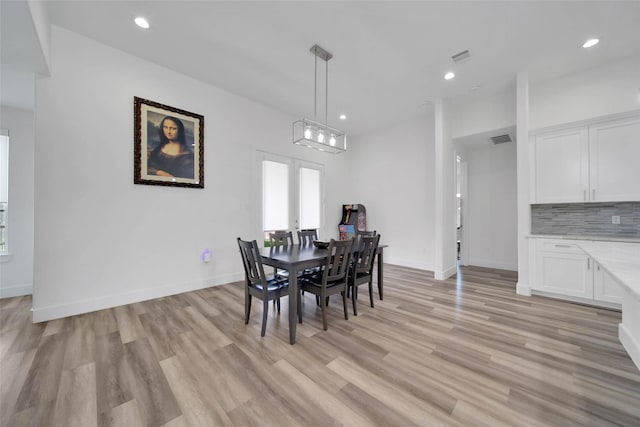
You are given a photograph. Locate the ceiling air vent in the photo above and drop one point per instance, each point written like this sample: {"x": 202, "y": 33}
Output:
{"x": 501, "y": 139}
{"x": 460, "y": 56}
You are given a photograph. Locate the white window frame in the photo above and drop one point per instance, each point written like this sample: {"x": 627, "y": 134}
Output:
{"x": 294, "y": 191}
{"x": 4, "y": 204}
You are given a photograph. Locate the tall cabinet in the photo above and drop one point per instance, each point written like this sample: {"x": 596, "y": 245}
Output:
{"x": 596, "y": 162}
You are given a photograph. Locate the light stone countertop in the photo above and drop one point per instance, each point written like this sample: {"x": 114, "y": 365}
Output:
{"x": 620, "y": 259}
{"x": 583, "y": 237}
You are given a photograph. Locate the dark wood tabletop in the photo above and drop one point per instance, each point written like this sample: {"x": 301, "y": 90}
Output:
{"x": 294, "y": 258}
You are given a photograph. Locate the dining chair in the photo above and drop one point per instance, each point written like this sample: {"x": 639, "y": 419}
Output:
{"x": 281, "y": 238}
{"x": 362, "y": 267}
{"x": 277, "y": 239}
{"x": 368, "y": 233}
{"x": 257, "y": 284}
{"x": 306, "y": 237}
{"x": 332, "y": 279}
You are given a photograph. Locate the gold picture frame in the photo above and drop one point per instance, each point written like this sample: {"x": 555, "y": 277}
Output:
{"x": 168, "y": 145}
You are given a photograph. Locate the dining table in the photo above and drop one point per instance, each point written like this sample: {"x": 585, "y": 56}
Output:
{"x": 295, "y": 258}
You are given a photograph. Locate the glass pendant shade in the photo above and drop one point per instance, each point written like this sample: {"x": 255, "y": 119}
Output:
{"x": 304, "y": 131}
{"x": 311, "y": 133}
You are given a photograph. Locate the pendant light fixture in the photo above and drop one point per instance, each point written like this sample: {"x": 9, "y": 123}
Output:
{"x": 312, "y": 133}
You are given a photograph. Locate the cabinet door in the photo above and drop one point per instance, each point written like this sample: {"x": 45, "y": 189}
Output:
{"x": 564, "y": 273}
{"x": 614, "y": 150}
{"x": 605, "y": 287}
{"x": 562, "y": 166}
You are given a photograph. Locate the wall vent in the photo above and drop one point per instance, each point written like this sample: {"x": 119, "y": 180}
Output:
{"x": 501, "y": 139}
{"x": 460, "y": 56}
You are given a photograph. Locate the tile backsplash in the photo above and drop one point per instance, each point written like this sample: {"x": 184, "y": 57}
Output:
{"x": 591, "y": 219}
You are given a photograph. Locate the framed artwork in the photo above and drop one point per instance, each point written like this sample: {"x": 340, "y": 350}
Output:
{"x": 168, "y": 145}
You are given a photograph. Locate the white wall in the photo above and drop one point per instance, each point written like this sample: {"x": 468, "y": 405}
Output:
{"x": 392, "y": 174}
{"x": 601, "y": 91}
{"x": 16, "y": 269}
{"x": 492, "y": 206}
{"x": 478, "y": 115}
{"x": 102, "y": 241}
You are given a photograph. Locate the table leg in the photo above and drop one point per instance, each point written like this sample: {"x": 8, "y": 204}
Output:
{"x": 380, "y": 271}
{"x": 293, "y": 307}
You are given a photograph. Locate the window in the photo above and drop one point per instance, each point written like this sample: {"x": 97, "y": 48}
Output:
{"x": 275, "y": 197}
{"x": 291, "y": 194}
{"x": 309, "y": 198}
{"x": 4, "y": 188}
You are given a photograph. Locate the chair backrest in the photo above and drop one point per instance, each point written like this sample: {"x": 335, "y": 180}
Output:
{"x": 367, "y": 233}
{"x": 252, "y": 262}
{"x": 366, "y": 253}
{"x": 306, "y": 237}
{"x": 281, "y": 238}
{"x": 338, "y": 261}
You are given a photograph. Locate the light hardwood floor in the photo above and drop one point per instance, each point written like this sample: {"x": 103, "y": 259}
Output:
{"x": 467, "y": 351}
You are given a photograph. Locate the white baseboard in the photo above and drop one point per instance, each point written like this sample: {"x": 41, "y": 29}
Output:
{"x": 630, "y": 344}
{"x": 492, "y": 264}
{"x": 445, "y": 274}
{"x": 523, "y": 289}
{"x": 42, "y": 314}
{"x": 16, "y": 291}
{"x": 411, "y": 263}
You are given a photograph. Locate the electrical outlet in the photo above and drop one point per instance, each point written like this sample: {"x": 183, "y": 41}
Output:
{"x": 615, "y": 219}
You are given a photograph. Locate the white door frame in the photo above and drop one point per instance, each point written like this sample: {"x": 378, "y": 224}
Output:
{"x": 295, "y": 165}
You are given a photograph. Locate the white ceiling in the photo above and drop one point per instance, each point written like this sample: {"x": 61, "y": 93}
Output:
{"x": 389, "y": 56}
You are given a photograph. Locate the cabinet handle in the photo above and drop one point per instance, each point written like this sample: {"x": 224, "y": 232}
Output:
{"x": 563, "y": 246}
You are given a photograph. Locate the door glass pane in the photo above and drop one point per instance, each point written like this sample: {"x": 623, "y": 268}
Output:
{"x": 4, "y": 188}
{"x": 275, "y": 195}
{"x": 309, "y": 198}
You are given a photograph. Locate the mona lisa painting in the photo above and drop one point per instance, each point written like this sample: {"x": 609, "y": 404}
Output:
{"x": 168, "y": 145}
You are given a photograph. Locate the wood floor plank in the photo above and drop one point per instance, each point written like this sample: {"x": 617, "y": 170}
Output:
{"x": 148, "y": 385}
{"x": 464, "y": 351}
{"x": 126, "y": 414}
{"x": 43, "y": 379}
{"x": 13, "y": 374}
{"x": 76, "y": 404}
{"x": 197, "y": 407}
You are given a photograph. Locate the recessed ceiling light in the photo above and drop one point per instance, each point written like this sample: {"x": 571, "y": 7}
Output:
{"x": 141, "y": 22}
{"x": 591, "y": 42}
{"x": 449, "y": 75}
{"x": 343, "y": 117}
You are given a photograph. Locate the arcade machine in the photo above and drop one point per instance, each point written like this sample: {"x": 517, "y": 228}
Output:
{"x": 354, "y": 220}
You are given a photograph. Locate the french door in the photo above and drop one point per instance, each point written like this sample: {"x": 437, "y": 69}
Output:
{"x": 291, "y": 194}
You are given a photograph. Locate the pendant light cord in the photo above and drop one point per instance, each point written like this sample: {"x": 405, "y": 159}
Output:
{"x": 315, "y": 84}
{"x": 326, "y": 93}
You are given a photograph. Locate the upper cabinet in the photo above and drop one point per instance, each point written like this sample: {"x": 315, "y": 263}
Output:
{"x": 614, "y": 150}
{"x": 591, "y": 163}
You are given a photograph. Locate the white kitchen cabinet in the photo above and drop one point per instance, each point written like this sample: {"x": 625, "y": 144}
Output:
{"x": 562, "y": 166}
{"x": 595, "y": 162}
{"x": 614, "y": 150}
{"x": 561, "y": 268}
{"x": 605, "y": 287}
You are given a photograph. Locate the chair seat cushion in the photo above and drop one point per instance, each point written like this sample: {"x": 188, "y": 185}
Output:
{"x": 315, "y": 282}
{"x": 272, "y": 285}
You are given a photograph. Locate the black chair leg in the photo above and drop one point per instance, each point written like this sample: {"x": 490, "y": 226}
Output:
{"x": 265, "y": 310}
{"x": 354, "y": 298}
{"x": 324, "y": 313}
{"x": 344, "y": 305}
{"x": 278, "y": 304}
{"x": 247, "y": 307}
{"x": 371, "y": 293}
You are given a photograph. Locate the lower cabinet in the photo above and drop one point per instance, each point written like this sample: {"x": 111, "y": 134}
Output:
{"x": 605, "y": 287}
{"x": 563, "y": 269}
